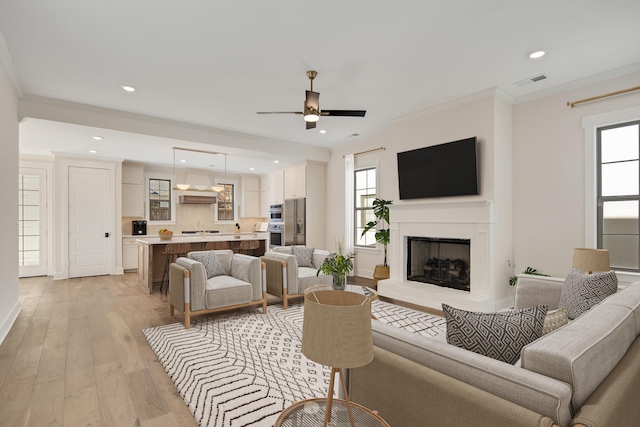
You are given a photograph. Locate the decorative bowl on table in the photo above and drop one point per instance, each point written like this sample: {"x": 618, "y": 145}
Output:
{"x": 165, "y": 234}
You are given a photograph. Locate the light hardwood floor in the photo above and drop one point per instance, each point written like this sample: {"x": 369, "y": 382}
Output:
{"x": 76, "y": 356}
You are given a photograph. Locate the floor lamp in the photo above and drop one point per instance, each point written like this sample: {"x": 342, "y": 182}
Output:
{"x": 337, "y": 332}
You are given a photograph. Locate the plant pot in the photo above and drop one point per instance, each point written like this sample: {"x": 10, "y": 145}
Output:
{"x": 381, "y": 272}
{"x": 339, "y": 281}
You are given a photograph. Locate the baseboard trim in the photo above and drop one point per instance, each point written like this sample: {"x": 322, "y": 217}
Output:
{"x": 9, "y": 320}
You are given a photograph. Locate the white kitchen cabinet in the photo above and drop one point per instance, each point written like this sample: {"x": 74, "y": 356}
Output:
{"x": 276, "y": 188}
{"x": 133, "y": 200}
{"x": 129, "y": 253}
{"x": 132, "y": 174}
{"x": 295, "y": 182}
{"x": 264, "y": 196}
{"x": 251, "y": 196}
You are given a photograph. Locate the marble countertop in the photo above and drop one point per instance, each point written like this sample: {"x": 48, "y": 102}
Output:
{"x": 209, "y": 237}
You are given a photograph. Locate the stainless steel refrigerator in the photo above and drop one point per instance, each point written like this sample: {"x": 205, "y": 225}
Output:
{"x": 294, "y": 222}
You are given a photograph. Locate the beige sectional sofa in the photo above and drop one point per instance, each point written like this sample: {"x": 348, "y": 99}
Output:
{"x": 586, "y": 373}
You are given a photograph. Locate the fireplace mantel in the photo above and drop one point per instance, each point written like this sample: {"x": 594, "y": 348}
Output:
{"x": 464, "y": 219}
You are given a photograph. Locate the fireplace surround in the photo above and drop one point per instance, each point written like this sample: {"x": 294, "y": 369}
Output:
{"x": 489, "y": 265}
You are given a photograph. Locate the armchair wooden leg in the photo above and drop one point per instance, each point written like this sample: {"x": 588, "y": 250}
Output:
{"x": 171, "y": 309}
{"x": 264, "y": 303}
{"x": 285, "y": 301}
{"x": 187, "y": 315}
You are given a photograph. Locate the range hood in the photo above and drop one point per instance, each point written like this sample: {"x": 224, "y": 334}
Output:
{"x": 196, "y": 199}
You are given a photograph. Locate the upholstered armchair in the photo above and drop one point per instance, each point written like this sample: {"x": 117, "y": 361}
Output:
{"x": 211, "y": 281}
{"x": 292, "y": 269}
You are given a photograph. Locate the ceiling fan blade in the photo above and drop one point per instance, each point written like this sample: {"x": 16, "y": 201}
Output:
{"x": 279, "y": 112}
{"x": 311, "y": 125}
{"x": 344, "y": 113}
{"x": 312, "y": 101}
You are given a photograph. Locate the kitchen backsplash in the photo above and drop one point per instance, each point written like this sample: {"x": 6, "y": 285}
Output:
{"x": 187, "y": 218}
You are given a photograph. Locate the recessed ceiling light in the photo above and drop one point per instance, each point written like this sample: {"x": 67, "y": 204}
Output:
{"x": 128, "y": 88}
{"x": 537, "y": 54}
{"x": 252, "y": 169}
{"x": 276, "y": 161}
{"x": 323, "y": 131}
{"x": 98, "y": 138}
{"x": 183, "y": 161}
{"x": 93, "y": 151}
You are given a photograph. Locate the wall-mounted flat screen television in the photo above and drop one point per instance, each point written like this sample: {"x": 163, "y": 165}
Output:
{"x": 442, "y": 170}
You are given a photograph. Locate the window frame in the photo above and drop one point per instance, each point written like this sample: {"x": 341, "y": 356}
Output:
{"x": 362, "y": 211}
{"x": 601, "y": 200}
{"x": 172, "y": 199}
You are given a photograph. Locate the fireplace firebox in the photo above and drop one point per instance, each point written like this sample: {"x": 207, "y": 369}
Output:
{"x": 439, "y": 261}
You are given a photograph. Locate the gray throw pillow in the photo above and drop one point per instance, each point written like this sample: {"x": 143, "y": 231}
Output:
{"x": 304, "y": 255}
{"x": 500, "y": 335}
{"x": 211, "y": 263}
{"x": 582, "y": 290}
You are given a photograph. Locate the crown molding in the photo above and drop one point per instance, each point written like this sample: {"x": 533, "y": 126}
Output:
{"x": 7, "y": 63}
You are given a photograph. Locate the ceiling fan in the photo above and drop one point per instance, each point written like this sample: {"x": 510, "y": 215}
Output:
{"x": 311, "y": 111}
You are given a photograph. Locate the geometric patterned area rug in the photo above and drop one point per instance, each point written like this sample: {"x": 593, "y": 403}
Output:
{"x": 244, "y": 368}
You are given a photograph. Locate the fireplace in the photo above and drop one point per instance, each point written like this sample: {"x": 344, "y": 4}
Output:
{"x": 439, "y": 261}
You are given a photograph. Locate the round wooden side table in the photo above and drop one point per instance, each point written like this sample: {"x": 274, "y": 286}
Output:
{"x": 310, "y": 413}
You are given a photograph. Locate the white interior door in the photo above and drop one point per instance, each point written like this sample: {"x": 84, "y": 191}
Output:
{"x": 32, "y": 222}
{"x": 89, "y": 231}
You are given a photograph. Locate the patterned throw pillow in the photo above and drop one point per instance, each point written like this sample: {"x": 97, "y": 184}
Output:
{"x": 555, "y": 319}
{"x": 304, "y": 255}
{"x": 211, "y": 263}
{"x": 500, "y": 335}
{"x": 582, "y": 290}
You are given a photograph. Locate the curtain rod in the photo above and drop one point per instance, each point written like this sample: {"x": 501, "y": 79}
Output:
{"x": 593, "y": 98}
{"x": 368, "y": 151}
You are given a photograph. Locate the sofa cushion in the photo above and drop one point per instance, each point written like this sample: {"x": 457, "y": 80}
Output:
{"x": 223, "y": 291}
{"x": 210, "y": 261}
{"x": 500, "y": 336}
{"x": 304, "y": 255}
{"x": 555, "y": 319}
{"x": 628, "y": 297}
{"x": 585, "y": 351}
{"x": 582, "y": 290}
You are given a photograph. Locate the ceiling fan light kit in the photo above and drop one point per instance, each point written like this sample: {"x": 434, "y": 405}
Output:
{"x": 311, "y": 111}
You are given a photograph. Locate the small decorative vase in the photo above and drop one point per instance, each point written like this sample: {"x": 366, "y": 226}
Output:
{"x": 339, "y": 281}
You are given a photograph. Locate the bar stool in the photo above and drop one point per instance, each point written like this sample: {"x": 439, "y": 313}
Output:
{"x": 216, "y": 246}
{"x": 171, "y": 252}
{"x": 248, "y": 246}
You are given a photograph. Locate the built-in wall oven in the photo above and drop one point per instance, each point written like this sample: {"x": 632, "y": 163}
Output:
{"x": 276, "y": 234}
{"x": 276, "y": 213}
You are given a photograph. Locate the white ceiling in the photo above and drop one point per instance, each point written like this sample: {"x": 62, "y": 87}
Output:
{"x": 216, "y": 63}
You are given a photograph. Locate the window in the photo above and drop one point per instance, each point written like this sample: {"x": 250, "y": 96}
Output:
{"x": 618, "y": 204}
{"x": 365, "y": 193}
{"x": 226, "y": 203}
{"x": 159, "y": 199}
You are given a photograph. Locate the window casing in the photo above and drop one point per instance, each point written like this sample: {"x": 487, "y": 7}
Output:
{"x": 618, "y": 194}
{"x": 365, "y": 192}
{"x": 226, "y": 203}
{"x": 159, "y": 199}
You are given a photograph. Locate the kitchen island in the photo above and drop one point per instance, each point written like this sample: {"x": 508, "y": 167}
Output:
{"x": 151, "y": 256}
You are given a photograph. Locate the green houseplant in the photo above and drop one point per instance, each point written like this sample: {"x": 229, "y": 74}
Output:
{"x": 338, "y": 265}
{"x": 381, "y": 212}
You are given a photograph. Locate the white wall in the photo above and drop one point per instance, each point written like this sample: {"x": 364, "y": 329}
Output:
{"x": 9, "y": 292}
{"x": 549, "y": 173}
{"x": 483, "y": 116}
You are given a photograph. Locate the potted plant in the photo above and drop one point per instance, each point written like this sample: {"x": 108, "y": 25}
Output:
{"x": 337, "y": 265}
{"x": 381, "y": 212}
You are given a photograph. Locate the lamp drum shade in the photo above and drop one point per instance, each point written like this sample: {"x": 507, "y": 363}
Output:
{"x": 337, "y": 329}
{"x": 591, "y": 260}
